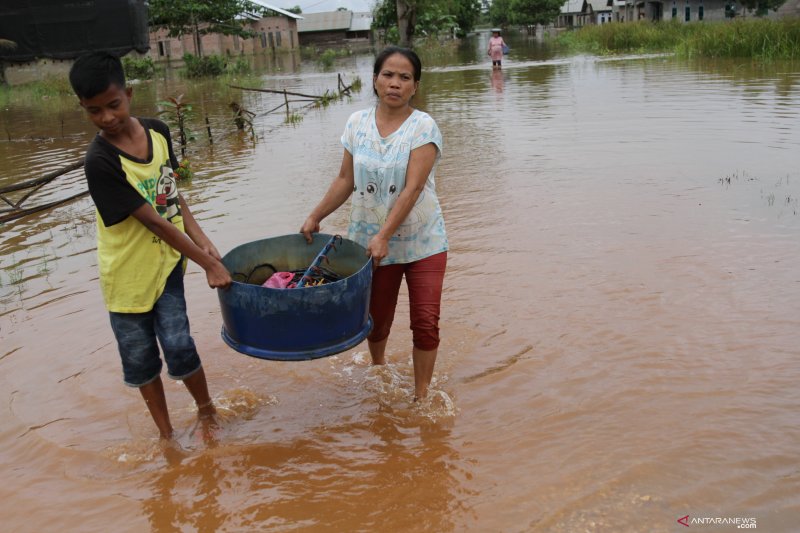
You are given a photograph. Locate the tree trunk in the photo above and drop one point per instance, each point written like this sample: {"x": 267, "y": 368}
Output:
{"x": 198, "y": 43}
{"x": 405, "y": 21}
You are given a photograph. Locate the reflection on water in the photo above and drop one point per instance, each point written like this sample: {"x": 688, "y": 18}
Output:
{"x": 317, "y": 482}
{"x": 619, "y": 323}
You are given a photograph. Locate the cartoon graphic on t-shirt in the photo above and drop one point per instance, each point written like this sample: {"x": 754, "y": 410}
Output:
{"x": 167, "y": 203}
{"x": 368, "y": 204}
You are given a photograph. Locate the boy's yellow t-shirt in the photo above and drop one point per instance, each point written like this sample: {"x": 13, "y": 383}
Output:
{"x": 134, "y": 264}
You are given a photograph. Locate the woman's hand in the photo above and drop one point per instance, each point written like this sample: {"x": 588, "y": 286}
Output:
{"x": 311, "y": 225}
{"x": 378, "y": 248}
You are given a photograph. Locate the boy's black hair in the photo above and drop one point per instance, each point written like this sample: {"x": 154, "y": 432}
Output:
{"x": 409, "y": 54}
{"x": 94, "y": 72}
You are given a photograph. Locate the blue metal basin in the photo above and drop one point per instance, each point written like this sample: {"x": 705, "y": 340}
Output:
{"x": 301, "y": 323}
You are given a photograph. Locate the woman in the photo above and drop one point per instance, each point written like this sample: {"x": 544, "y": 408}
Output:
{"x": 390, "y": 155}
{"x": 495, "y": 51}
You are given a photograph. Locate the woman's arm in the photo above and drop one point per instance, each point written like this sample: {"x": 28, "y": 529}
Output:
{"x": 216, "y": 273}
{"x": 420, "y": 164}
{"x": 338, "y": 193}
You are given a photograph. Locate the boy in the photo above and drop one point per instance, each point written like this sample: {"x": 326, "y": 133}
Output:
{"x": 144, "y": 233}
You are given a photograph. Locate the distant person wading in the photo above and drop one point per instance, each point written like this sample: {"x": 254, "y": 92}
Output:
{"x": 495, "y": 51}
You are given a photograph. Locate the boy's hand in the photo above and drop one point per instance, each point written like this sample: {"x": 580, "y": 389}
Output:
{"x": 211, "y": 250}
{"x": 218, "y": 276}
{"x": 205, "y": 244}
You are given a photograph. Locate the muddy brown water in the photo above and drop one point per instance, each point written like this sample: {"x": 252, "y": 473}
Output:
{"x": 621, "y": 319}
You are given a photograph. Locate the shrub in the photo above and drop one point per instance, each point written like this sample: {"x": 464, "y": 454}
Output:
{"x": 240, "y": 66}
{"x": 139, "y": 68}
{"x": 201, "y": 67}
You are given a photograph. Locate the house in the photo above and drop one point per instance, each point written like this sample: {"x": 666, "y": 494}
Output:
{"x": 272, "y": 33}
{"x": 597, "y": 11}
{"x": 578, "y": 13}
{"x": 570, "y": 15}
{"x": 680, "y": 10}
{"x": 334, "y": 28}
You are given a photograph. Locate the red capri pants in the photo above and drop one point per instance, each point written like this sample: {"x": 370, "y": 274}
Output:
{"x": 424, "y": 279}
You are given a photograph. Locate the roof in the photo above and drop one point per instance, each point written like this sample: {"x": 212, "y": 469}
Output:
{"x": 327, "y": 21}
{"x": 598, "y": 6}
{"x": 572, "y": 6}
{"x": 361, "y": 22}
{"x": 276, "y": 9}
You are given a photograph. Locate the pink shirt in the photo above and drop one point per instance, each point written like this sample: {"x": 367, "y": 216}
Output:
{"x": 496, "y": 48}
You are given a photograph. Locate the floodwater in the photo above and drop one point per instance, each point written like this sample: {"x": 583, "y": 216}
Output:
{"x": 621, "y": 316}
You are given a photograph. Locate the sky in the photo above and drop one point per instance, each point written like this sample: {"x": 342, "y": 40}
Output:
{"x": 319, "y": 6}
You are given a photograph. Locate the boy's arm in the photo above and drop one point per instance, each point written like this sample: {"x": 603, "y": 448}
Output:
{"x": 216, "y": 273}
{"x": 194, "y": 231}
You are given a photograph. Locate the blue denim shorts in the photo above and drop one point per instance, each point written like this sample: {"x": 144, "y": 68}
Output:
{"x": 136, "y": 335}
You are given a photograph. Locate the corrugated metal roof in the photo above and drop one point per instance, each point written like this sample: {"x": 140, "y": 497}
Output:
{"x": 361, "y": 22}
{"x": 572, "y": 6}
{"x": 276, "y": 9}
{"x": 327, "y": 21}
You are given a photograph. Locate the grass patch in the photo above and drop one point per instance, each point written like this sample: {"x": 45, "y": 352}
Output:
{"x": 54, "y": 88}
{"x": 742, "y": 38}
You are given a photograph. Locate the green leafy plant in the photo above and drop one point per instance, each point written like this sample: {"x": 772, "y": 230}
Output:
{"x": 184, "y": 170}
{"x": 327, "y": 58}
{"x": 177, "y": 114}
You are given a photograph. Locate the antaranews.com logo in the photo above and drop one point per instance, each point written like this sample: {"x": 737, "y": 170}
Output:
{"x": 739, "y": 522}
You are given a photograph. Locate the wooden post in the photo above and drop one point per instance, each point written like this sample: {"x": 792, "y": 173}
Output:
{"x": 286, "y": 98}
{"x": 208, "y": 129}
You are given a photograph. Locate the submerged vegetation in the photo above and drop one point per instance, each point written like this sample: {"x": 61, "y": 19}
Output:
{"x": 214, "y": 65}
{"x": 329, "y": 56}
{"x": 756, "y": 38}
{"x": 139, "y": 68}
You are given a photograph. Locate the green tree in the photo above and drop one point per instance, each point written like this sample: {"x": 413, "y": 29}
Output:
{"x": 762, "y": 7}
{"x": 184, "y": 17}
{"x": 467, "y": 13}
{"x": 500, "y": 12}
{"x": 296, "y": 10}
{"x": 426, "y": 17}
{"x": 535, "y": 11}
{"x": 385, "y": 14}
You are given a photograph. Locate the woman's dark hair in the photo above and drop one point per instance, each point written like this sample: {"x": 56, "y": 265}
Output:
{"x": 93, "y": 73}
{"x": 405, "y": 52}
